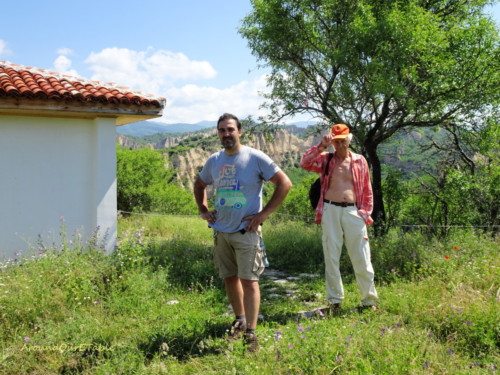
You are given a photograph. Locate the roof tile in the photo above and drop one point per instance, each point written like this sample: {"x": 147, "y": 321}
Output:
{"x": 28, "y": 82}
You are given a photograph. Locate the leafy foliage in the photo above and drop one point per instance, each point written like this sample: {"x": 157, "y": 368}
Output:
{"x": 462, "y": 189}
{"x": 380, "y": 67}
{"x": 453, "y": 199}
{"x": 145, "y": 185}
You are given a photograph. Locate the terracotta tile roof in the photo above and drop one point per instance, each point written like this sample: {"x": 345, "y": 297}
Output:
{"x": 17, "y": 81}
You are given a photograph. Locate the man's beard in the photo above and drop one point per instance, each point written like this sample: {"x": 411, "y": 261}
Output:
{"x": 228, "y": 142}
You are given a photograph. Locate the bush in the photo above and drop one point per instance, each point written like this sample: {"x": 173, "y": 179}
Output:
{"x": 399, "y": 255}
{"x": 145, "y": 185}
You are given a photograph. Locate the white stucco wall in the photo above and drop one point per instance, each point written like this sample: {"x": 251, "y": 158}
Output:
{"x": 54, "y": 169}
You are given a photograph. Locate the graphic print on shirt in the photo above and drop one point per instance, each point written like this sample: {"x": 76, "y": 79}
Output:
{"x": 229, "y": 195}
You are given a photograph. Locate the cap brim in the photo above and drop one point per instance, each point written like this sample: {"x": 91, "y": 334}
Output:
{"x": 340, "y": 136}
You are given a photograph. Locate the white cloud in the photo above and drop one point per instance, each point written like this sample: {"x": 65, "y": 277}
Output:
{"x": 3, "y": 48}
{"x": 192, "y": 103}
{"x": 149, "y": 71}
{"x": 172, "y": 75}
{"x": 62, "y": 64}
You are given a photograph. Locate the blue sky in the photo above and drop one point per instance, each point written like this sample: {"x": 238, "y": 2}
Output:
{"x": 188, "y": 51}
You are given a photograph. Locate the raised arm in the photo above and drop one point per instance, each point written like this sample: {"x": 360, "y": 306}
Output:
{"x": 314, "y": 158}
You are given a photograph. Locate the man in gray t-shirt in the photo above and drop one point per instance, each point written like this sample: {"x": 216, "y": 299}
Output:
{"x": 238, "y": 173}
{"x": 238, "y": 181}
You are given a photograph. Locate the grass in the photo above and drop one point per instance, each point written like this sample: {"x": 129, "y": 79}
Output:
{"x": 156, "y": 306}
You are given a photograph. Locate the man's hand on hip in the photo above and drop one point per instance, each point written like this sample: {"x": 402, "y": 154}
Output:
{"x": 255, "y": 221}
{"x": 209, "y": 216}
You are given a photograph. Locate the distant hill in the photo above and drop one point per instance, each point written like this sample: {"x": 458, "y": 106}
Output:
{"x": 143, "y": 128}
{"x": 303, "y": 124}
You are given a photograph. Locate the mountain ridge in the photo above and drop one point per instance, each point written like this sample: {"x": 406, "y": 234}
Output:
{"x": 148, "y": 127}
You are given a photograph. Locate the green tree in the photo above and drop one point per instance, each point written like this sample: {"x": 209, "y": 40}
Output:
{"x": 379, "y": 66}
{"x": 438, "y": 203}
{"x": 145, "y": 185}
{"x": 465, "y": 188}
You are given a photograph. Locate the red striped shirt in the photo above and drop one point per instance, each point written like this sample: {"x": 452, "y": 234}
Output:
{"x": 313, "y": 160}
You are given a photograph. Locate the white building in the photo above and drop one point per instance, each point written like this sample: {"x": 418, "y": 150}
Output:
{"x": 58, "y": 155}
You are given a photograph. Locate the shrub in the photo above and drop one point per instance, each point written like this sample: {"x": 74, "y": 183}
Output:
{"x": 145, "y": 185}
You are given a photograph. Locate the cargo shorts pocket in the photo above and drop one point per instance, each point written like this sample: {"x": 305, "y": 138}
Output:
{"x": 258, "y": 263}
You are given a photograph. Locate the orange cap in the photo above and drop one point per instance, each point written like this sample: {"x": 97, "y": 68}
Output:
{"x": 340, "y": 131}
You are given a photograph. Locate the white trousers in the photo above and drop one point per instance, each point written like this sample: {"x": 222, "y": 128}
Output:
{"x": 343, "y": 224}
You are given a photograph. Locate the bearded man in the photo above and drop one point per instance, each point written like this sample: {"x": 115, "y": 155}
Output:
{"x": 238, "y": 173}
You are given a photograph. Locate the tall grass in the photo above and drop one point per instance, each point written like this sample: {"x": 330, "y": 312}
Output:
{"x": 156, "y": 306}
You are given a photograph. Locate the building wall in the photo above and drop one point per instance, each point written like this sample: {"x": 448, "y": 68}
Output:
{"x": 55, "y": 173}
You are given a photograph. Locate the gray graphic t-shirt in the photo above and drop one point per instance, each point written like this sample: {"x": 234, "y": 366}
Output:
{"x": 238, "y": 181}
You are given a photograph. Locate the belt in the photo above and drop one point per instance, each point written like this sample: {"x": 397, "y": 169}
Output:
{"x": 340, "y": 204}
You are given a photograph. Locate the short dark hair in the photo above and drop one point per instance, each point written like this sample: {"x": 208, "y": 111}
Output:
{"x": 229, "y": 116}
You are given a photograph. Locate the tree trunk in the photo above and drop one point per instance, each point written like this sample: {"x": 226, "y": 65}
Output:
{"x": 378, "y": 213}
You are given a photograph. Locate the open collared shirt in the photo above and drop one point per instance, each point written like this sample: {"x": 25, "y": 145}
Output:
{"x": 314, "y": 160}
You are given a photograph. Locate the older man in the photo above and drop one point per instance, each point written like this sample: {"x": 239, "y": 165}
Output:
{"x": 344, "y": 210}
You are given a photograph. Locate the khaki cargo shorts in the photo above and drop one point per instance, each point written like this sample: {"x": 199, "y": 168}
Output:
{"x": 238, "y": 254}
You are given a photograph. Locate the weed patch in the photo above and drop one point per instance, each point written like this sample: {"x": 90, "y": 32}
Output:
{"x": 156, "y": 306}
